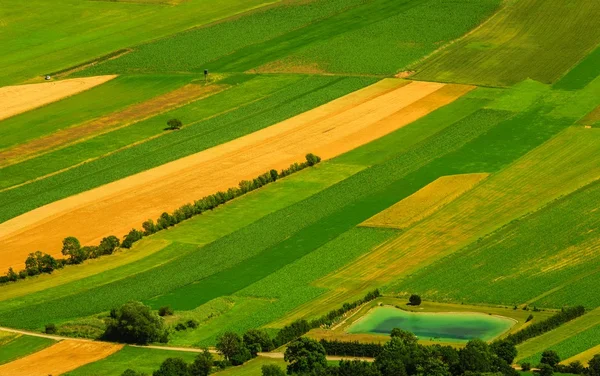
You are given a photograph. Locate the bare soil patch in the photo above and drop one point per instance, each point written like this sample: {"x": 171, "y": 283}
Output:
{"x": 329, "y": 130}
{"x": 21, "y": 98}
{"x": 57, "y": 359}
{"x": 120, "y": 119}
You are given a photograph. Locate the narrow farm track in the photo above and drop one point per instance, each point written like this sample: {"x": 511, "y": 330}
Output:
{"x": 21, "y": 98}
{"x": 328, "y": 131}
{"x": 60, "y": 358}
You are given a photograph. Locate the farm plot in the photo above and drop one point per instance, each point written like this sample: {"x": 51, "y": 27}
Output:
{"x": 18, "y": 346}
{"x": 321, "y": 213}
{"x": 21, "y": 98}
{"x": 112, "y": 96}
{"x": 583, "y": 357}
{"x": 537, "y": 39}
{"x": 424, "y": 202}
{"x": 131, "y": 114}
{"x": 555, "y": 249}
{"x": 59, "y": 358}
{"x": 583, "y": 73}
{"x": 341, "y": 36}
{"x": 77, "y": 32}
{"x": 142, "y": 360}
{"x": 328, "y": 131}
{"x": 571, "y": 329}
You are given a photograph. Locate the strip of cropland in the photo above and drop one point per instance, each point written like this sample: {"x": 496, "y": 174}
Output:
{"x": 537, "y": 39}
{"x": 21, "y": 98}
{"x": 329, "y": 130}
{"x": 15, "y": 346}
{"x": 76, "y": 32}
{"x": 59, "y": 358}
{"x": 334, "y": 36}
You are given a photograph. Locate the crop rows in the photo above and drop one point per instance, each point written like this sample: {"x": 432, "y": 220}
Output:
{"x": 582, "y": 74}
{"x": 291, "y": 100}
{"x": 22, "y": 346}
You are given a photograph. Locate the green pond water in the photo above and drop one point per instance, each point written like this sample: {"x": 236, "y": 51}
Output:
{"x": 449, "y": 327}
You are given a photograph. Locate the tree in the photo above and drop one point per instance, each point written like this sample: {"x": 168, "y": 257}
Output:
{"x": 172, "y": 367}
{"x": 594, "y": 366}
{"x": 174, "y": 124}
{"x": 202, "y": 364}
{"x": 391, "y": 359}
{"x": 433, "y": 367}
{"x": 550, "y": 357}
{"x": 108, "y": 245}
{"x": 415, "y": 300}
{"x": 312, "y": 159}
{"x": 546, "y": 370}
{"x": 272, "y": 370}
{"x": 133, "y": 236}
{"x": 50, "y": 329}
{"x": 405, "y": 336}
{"x": 476, "y": 356}
{"x": 305, "y": 355}
{"x": 505, "y": 350}
{"x": 357, "y": 367}
{"x": 70, "y": 245}
{"x": 260, "y": 337}
{"x": 130, "y": 372}
{"x": 165, "y": 311}
{"x": 135, "y": 322}
{"x": 525, "y": 366}
{"x": 576, "y": 368}
{"x": 229, "y": 344}
{"x": 12, "y": 275}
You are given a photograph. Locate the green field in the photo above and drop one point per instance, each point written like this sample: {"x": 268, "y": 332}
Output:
{"x": 526, "y": 39}
{"x": 139, "y": 359}
{"x": 75, "y": 32}
{"x": 20, "y": 346}
{"x": 331, "y": 36}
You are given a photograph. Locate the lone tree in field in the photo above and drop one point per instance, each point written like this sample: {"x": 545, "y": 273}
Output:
{"x": 414, "y": 300}
{"x": 174, "y": 124}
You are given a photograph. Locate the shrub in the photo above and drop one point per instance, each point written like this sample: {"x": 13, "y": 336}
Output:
{"x": 108, "y": 245}
{"x": 260, "y": 337}
{"x": 180, "y": 326}
{"x": 133, "y": 236}
{"x": 525, "y": 366}
{"x": 165, "y": 311}
{"x": 546, "y": 370}
{"x": 172, "y": 367}
{"x": 415, "y": 300}
{"x": 135, "y": 322}
{"x": 304, "y": 355}
{"x": 50, "y": 329}
{"x": 202, "y": 364}
{"x": 529, "y": 318}
{"x": 174, "y": 124}
{"x": 550, "y": 357}
{"x": 193, "y": 324}
{"x": 272, "y": 370}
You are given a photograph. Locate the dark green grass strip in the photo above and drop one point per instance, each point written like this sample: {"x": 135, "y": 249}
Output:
{"x": 583, "y": 73}
{"x": 302, "y": 96}
{"x": 22, "y": 346}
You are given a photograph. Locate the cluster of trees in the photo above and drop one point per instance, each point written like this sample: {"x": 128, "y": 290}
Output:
{"x": 403, "y": 356}
{"x": 238, "y": 349}
{"x": 39, "y": 262}
{"x": 353, "y": 348}
{"x": 534, "y": 330}
{"x": 135, "y": 323}
{"x": 201, "y": 366}
{"x": 550, "y": 360}
{"x": 210, "y": 202}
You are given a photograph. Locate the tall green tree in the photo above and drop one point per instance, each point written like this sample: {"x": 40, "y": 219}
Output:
{"x": 229, "y": 344}
{"x": 135, "y": 322}
{"x": 476, "y": 356}
{"x": 202, "y": 364}
{"x": 172, "y": 367}
{"x": 594, "y": 366}
{"x": 305, "y": 355}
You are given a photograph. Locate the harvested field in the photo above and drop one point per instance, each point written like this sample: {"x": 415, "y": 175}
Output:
{"x": 132, "y": 114}
{"x": 329, "y": 130}
{"x": 21, "y": 98}
{"x": 60, "y": 358}
{"x": 425, "y": 202}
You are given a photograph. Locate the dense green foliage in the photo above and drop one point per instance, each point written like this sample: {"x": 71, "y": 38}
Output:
{"x": 134, "y": 322}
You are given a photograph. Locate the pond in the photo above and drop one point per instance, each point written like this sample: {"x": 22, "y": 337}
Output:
{"x": 443, "y": 326}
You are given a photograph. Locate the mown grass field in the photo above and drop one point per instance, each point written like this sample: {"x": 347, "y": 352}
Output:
{"x": 75, "y": 32}
{"x": 15, "y": 347}
{"x": 526, "y": 39}
{"x": 317, "y": 36}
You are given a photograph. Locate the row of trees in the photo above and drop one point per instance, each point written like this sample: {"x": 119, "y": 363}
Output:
{"x": 351, "y": 348}
{"x": 238, "y": 349}
{"x": 39, "y": 262}
{"x": 201, "y": 366}
{"x": 553, "y": 322}
{"x": 210, "y": 202}
{"x": 550, "y": 363}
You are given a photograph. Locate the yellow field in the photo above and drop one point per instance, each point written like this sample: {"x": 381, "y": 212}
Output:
{"x": 21, "y": 98}
{"x": 583, "y": 357}
{"x": 328, "y": 131}
{"x": 63, "y": 357}
{"x": 424, "y": 202}
{"x": 561, "y": 165}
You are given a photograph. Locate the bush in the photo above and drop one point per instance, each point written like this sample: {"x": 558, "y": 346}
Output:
{"x": 133, "y": 236}
{"x": 174, "y": 124}
{"x": 180, "y": 326}
{"x": 192, "y": 324}
{"x": 304, "y": 355}
{"x": 50, "y": 329}
{"x": 260, "y": 337}
{"x": 272, "y": 370}
{"x": 529, "y": 318}
{"x": 550, "y": 357}
{"x": 525, "y": 366}
{"x": 546, "y": 370}
{"x": 172, "y": 367}
{"x": 202, "y": 364}
{"x": 165, "y": 311}
{"x": 135, "y": 322}
{"x": 108, "y": 245}
{"x": 415, "y": 300}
